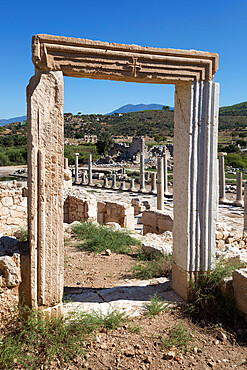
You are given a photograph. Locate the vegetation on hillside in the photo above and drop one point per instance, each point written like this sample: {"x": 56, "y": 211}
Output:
{"x": 156, "y": 124}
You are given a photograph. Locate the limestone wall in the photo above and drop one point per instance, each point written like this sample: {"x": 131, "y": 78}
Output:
{"x": 13, "y": 207}
{"x": 79, "y": 205}
{"x": 119, "y": 212}
{"x": 10, "y": 278}
{"x": 156, "y": 222}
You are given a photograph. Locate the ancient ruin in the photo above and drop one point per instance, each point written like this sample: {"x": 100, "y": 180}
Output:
{"x": 195, "y": 150}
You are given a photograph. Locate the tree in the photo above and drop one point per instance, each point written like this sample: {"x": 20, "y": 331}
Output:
{"x": 104, "y": 143}
{"x": 165, "y": 107}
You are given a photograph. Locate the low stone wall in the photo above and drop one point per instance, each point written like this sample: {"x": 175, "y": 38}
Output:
{"x": 156, "y": 222}
{"x": 228, "y": 239}
{"x": 79, "y": 205}
{"x": 13, "y": 207}
{"x": 119, "y": 212}
{"x": 10, "y": 279}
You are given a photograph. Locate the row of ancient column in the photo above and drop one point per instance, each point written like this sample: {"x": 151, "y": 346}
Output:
{"x": 161, "y": 175}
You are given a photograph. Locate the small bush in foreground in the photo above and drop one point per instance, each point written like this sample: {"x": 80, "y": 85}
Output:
{"x": 98, "y": 238}
{"x": 152, "y": 266}
{"x": 177, "y": 337}
{"x": 39, "y": 340}
{"x": 155, "y": 306}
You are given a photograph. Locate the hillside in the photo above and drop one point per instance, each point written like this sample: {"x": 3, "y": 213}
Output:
{"x": 235, "y": 110}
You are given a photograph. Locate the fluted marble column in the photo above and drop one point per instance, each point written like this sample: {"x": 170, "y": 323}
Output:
{"x": 195, "y": 182}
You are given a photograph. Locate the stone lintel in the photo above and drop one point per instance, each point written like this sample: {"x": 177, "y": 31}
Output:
{"x": 77, "y": 57}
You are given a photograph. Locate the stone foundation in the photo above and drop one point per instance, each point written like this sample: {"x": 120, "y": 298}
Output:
{"x": 79, "y": 205}
{"x": 156, "y": 222}
{"x": 119, "y": 212}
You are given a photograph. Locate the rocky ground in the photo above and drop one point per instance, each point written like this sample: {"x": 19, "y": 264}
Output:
{"x": 102, "y": 279}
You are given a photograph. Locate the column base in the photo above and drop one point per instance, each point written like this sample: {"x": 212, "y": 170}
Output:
{"x": 54, "y": 311}
{"x": 224, "y": 201}
{"x": 142, "y": 191}
{"x": 238, "y": 203}
{"x": 182, "y": 282}
{"x": 133, "y": 190}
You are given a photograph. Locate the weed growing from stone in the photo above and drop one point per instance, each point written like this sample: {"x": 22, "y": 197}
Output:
{"x": 22, "y": 235}
{"x": 38, "y": 340}
{"x": 98, "y": 238}
{"x": 155, "y": 306}
{"x": 177, "y": 337}
{"x": 152, "y": 266}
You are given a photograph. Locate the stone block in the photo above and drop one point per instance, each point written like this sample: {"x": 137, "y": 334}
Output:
{"x": 240, "y": 290}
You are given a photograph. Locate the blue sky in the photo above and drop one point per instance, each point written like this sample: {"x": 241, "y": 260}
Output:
{"x": 217, "y": 26}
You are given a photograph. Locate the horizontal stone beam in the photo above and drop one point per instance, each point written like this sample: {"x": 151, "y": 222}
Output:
{"x": 103, "y": 60}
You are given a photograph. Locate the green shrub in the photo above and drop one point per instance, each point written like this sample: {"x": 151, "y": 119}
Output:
{"x": 178, "y": 337}
{"x": 155, "y": 306}
{"x": 152, "y": 266}
{"x": 38, "y": 340}
{"x": 99, "y": 238}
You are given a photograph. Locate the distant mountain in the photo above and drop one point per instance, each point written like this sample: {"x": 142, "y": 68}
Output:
{"x": 137, "y": 108}
{"x": 4, "y": 122}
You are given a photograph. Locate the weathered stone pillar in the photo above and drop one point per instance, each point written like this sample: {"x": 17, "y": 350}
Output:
{"x": 239, "y": 192}
{"x": 66, "y": 163}
{"x": 166, "y": 192}
{"x": 105, "y": 185}
{"x": 90, "y": 170}
{"x": 132, "y": 185}
{"x": 160, "y": 183}
{"x": 76, "y": 168}
{"x": 142, "y": 173}
{"x": 245, "y": 207}
{"x": 114, "y": 181}
{"x": 195, "y": 181}
{"x": 222, "y": 186}
{"x": 83, "y": 178}
{"x": 45, "y": 191}
{"x": 153, "y": 183}
{"x": 123, "y": 187}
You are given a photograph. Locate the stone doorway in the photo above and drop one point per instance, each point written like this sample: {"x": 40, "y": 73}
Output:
{"x": 195, "y": 150}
